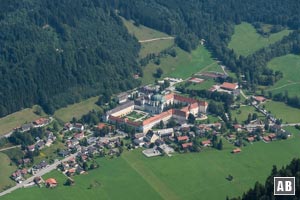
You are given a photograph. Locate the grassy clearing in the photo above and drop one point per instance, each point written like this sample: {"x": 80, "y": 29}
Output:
{"x": 282, "y": 111}
{"x": 289, "y": 65}
{"x": 246, "y": 40}
{"x": 207, "y": 84}
{"x": 16, "y": 119}
{"x": 155, "y": 47}
{"x": 242, "y": 113}
{"x": 5, "y": 170}
{"x": 77, "y": 110}
{"x": 182, "y": 66}
{"x": 182, "y": 176}
{"x": 144, "y": 33}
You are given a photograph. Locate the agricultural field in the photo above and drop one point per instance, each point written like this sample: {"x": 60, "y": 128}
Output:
{"x": 289, "y": 65}
{"x": 9, "y": 122}
{"x": 245, "y": 40}
{"x": 282, "y": 111}
{"x": 182, "y": 176}
{"x": 77, "y": 110}
{"x": 5, "y": 170}
{"x": 144, "y": 33}
{"x": 182, "y": 66}
{"x": 241, "y": 114}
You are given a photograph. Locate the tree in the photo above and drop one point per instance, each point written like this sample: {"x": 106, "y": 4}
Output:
{"x": 85, "y": 166}
{"x": 220, "y": 145}
{"x": 159, "y": 73}
{"x": 191, "y": 119}
{"x": 161, "y": 124}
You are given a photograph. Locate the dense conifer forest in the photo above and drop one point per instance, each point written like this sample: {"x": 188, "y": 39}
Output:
{"x": 54, "y": 53}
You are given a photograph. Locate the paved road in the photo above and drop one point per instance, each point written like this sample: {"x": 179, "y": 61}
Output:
{"x": 10, "y": 148}
{"x": 40, "y": 173}
{"x": 156, "y": 39}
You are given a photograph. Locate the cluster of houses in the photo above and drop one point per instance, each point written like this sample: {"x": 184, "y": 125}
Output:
{"x": 19, "y": 175}
{"x": 41, "y": 122}
{"x": 71, "y": 167}
{"x": 49, "y": 183}
{"x": 41, "y": 143}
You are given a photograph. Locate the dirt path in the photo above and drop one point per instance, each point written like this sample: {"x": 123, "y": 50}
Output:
{"x": 10, "y": 148}
{"x": 295, "y": 83}
{"x": 156, "y": 39}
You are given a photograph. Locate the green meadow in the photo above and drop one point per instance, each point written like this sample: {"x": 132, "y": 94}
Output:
{"x": 181, "y": 176}
{"x": 6, "y": 169}
{"x": 77, "y": 110}
{"x": 245, "y": 40}
{"x": 282, "y": 111}
{"x": 14, "y": 120}
{"x": 289, "y": 65}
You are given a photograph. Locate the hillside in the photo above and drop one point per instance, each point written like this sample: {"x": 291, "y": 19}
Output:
{"x": 54, "y": 53}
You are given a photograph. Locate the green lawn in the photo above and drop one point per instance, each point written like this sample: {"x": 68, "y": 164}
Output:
{"x": 5, "y": 171}
{"x": 77, "y": 110}
{"x": 182, "y": 66}
{"x": 144, "y": 33}
{"x": 289, "y": 65}
{"x": 242, "y": 113}
{"x": 182, "y": 176}
{"x": 9, "y": 122}
{"x": 282, "y": 111}
{"x": 207, "y": 84}
{"x": 246, "y": 40}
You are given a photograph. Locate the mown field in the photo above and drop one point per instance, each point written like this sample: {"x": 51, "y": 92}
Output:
{"x": 5, "y": 171}
{"x": 246, "y": 40}
{"x": 9, "y": 122}
{"x": 181, "y": 66}
{"x": 241, "y": 114}
{"x": 182, "y": 176}
{"x": 289, "y": 65}
{"x": 282, "y": 111}
{"x": 144, "y": 33}
{"x": 77, "y": 110}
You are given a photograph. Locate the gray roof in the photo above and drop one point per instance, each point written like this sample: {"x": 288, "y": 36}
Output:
{"x": 120, "y": 107}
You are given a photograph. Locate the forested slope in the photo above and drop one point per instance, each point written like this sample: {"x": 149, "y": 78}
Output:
{"x": 56, "y": 52}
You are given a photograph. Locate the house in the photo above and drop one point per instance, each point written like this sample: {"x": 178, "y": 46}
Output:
{"x": 151, "y": 137}
{"x": 78, "y": 127}
{"x": 236, "y": 150}
{"x": 164, "y": 133}
{"x": 122, "y": 97}
{"x": 51, "y": 182}
{"x": 229, "y": 86}
{"x": 68, "y": 126}
{"x": 266, "y": 139}
{"x": 40, "y": 145}
{"x": 187, "y": 145}
{"x": 206, "y": 143}
{"x": 26, "y": 127}
{"x": 250, "y": 139}
{"x": 64, "y": 153}
{"x": 31, "y": 148}
{"x": 272, "y": 136}
{"x": 100, "y": 126}
{"x": 79, "y": 136}
{"x": 41, "y": 122}
{"x": 259, "y": 99}
{"x": 237, "y": 127}
{"x": 182, "y": 138}
{"x": 138, "y": 142}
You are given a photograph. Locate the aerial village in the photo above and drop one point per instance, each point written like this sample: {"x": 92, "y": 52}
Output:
{"x": 159, "y": 119}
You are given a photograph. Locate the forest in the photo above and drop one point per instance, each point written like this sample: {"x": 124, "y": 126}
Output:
{"x": 55, "y": 53}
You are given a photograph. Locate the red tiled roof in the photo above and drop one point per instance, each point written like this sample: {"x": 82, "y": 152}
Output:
{"x": 101, "y": 125}
{"x": 51, "y": 181}
{"x": 229, "y": 86}
{"x": 250, "y": 139}
{"x": 259, "y": 98}
{"x": 237, "y": 150}
{"x": 266, "y": 138}
{"x": 41, "y": 121}
{"x": 182, "y": 138}
{"x": 206, "y": 142}
{"x": 159, "y": 117}
{"x": 186, "y": 145}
